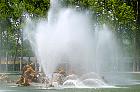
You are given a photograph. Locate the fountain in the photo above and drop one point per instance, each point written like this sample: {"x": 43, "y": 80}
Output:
{"x": 70, "y": 39}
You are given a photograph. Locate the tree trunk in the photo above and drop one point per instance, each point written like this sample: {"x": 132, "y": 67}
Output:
{"x": 21, "y": 60}
{"x": 15, "y": 56}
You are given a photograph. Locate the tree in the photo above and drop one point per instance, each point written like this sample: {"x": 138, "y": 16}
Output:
{"x": 119, "y": 15}
{"x": 11, "y": 16}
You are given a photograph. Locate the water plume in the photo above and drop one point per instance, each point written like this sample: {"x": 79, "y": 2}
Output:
{"x": 67, "y": 39}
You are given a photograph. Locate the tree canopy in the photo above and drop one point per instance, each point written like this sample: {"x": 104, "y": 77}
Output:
{"x": 119, "y": 15}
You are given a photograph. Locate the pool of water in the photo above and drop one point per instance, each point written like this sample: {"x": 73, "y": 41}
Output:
{"x": 36, "y": 87}
{"x": 39, "y": 88}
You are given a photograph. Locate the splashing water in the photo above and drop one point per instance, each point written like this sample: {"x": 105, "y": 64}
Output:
{"x": 67, "y": 39}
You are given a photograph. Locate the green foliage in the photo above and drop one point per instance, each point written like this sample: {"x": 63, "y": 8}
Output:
{"x": 115, "y": 13}
{"x": 11, "y": 23}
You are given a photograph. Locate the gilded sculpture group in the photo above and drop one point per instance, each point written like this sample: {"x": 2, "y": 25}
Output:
{"x": 29, "y": 75}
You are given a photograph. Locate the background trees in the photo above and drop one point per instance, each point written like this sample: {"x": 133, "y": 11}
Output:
{"x": 12, "y": 14}
{"x": 123, "y": 16}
